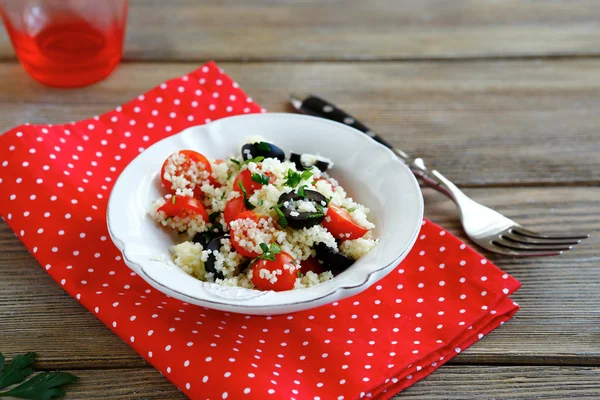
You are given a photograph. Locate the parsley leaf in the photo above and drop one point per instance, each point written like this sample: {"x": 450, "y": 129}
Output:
{"x": 300, "y": 191}
{"x": 264, "y": 146}
{"x": 17, "y": 370}
{"x": 247, "y": 203}
{"x": 352, "y": 209}
{"x": 282, "y": 221}
{"x": 299, "y": 274}
{"x": 233, "y": 160}
{"x": 294, "y": 178}
{"x": 254, "y": 160}
{"x": 213, "y": 216}
{"x": 306, "y": 175}
{"x": 269, "y": 252}
{"x": 229, "y": 173}
{"x": 260, "y": 178}
{"x": 44, "y": 386}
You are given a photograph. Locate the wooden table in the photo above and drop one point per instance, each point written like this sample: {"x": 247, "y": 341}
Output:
{"x": 504, "y": 97}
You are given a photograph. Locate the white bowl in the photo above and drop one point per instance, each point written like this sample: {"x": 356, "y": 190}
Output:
{"x": 368, "y": 171}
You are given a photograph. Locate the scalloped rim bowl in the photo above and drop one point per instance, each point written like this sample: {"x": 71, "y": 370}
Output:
{"x": 369, "y": 172}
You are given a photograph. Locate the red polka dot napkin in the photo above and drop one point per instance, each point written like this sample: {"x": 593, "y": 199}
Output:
{"x": 54, "y": 186}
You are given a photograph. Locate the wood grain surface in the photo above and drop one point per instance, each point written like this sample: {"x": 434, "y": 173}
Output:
{"x": 501, "y": 96}
{"x": 481, "y": 123}
{"x": 356, "y": 30}
{"x": 464, "y": 381}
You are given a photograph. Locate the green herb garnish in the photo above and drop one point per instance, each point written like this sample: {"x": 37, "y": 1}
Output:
{"x": 229, "y": 173}
{"x": 173, "y": 198}
{"x": 260, "y": 178}
{"x": 264, "y": 146}
{"x": 213, "y": 216}
{"x": 233, "y": 160}
{"x": 300, "y": 191}
{"x": 44, "y": 386}
{"x": 294, "y": 178}
{"x": 299, "y": 274}
{"x": 269, "y": 252}
{"x": 282, "y": 221}
{"x": 254, "y": 160}
{"x": 260, "y": 202}
{"x": 352, "y": 209}
{"x": 247, "y": 203}
{"x": 317, "y": 215}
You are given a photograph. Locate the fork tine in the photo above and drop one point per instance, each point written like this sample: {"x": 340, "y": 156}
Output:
{"x": 514, "y": 253}
{"x": 543, "y": 242}
{"x": 530, "y": 247}
{"x": 519, "y": 230}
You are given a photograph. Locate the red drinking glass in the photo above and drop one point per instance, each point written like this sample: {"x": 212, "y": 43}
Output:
{"x": 66, "y": 43}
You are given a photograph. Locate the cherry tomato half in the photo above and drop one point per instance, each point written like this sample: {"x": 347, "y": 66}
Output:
{"x": 311, "y": 264}
{"x": 245, "y": 177}
{"x": 280, "y": 274}
{"x": 183, "y": 206}
{"x": 339, "y": 223}
{"x": 191, "y": 156}
{"x": 233, "y": 208}
{"x": 240, "y": 233}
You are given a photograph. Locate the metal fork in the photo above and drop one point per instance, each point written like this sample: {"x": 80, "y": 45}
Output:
{"x": 484, "y": 226}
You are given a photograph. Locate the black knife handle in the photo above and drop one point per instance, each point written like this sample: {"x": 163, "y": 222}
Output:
{"x": 318, "y": 107}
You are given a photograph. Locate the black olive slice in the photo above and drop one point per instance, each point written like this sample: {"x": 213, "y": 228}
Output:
{"x": 209, "y": 265}
{"x": 332, "y": 259}
{"x": 203, "y": 238}
{"x": 317, "y": 161}
{"x": 262, "y": 149}
{"x": 303, "y": 219}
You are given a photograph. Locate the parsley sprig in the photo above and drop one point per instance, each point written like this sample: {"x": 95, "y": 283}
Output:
{"x": 247, "y": 203}
{"x": 281, "y": 219}
{"x": 300, "y": 191}
{"x": 43, "y": 386}
{"x": 269, "y": 252}
{"x": 260, "y": 178}
{"x": 293, "y": 178}
{"x": 254, "y": 160}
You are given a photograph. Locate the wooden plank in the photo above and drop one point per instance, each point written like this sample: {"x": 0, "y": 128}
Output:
{"x": 559, "y": 297}
{"x": 449, "y": 382}
{"x": 481, "y": 123}
{"x": 356, "y": 30}
{"x": 468, "y": 382}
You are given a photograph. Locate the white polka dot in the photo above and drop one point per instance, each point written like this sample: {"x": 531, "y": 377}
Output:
{"x": 484, "y": 278}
